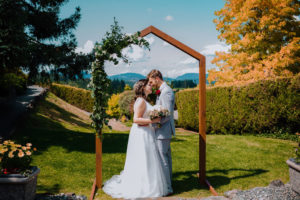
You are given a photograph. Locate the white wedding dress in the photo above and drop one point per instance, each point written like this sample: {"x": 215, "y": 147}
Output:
{"x": 143, "y": 174}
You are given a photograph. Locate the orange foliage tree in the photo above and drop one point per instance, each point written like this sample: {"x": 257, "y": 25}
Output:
{"x": 264, "y": 37}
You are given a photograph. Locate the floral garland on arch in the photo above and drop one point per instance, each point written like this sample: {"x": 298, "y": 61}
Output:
{"x": 110, "y": 49}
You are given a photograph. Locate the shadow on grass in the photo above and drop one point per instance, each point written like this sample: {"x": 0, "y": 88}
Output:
{"x": 54, "y": 189}
{"x": 43, "y": 133}
{"x": 115, "y": 143}
{"x": 55, "y": 112}
{"x": 219, "y": 180}
{"x": 187, "y": 181}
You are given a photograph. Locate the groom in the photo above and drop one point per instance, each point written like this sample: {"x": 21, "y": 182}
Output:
{"x": 165, "y": 98}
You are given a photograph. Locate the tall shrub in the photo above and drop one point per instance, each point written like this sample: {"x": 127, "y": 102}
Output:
{"x": 260, "y": 107}
{"x": 125, "y": 102}
{"x": 78, "y": 97}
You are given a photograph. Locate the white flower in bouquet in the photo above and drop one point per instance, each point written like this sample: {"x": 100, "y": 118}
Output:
{"x": 157, "y": 112}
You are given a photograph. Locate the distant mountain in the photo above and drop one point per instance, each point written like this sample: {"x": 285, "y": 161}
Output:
{"x": 131, "y": 78}
{"x": 127, "y": 77}
{"x": 191, "y": 76}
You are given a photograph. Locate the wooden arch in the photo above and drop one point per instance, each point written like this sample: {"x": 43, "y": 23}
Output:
{"x": 202, "y": 111}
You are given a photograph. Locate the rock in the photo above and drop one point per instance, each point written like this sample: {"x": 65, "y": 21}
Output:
{"x": 276, "y": 183}
{"x": 230, "y": 194}
{"x": 62, "y": 196}
{"x": 215, "y": 198}
{"x": 267, "y": 193}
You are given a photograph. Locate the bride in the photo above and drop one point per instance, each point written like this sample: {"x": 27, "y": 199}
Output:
{"x": 143, "y": 174}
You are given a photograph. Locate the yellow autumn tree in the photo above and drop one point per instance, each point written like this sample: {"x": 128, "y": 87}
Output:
{"x": 113, "y": 109}
{"x": 127, "y": 87}
{"x": 264, "y": 37}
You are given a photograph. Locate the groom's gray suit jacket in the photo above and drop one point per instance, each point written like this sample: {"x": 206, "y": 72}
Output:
{"x": 167, "y": 100}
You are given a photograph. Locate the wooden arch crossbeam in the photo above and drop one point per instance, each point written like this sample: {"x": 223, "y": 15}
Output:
{"x": 202, "y": 109}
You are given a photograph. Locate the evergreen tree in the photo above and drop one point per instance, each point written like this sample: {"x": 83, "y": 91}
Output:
{"x": 35, "y": 39}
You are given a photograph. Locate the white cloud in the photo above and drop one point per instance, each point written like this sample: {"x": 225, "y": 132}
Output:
{"x": 189, "y": 60}
{"x": 297, "y": 18}
{"x": 168, "y": 59}
{"x": 212, "y": 48}
{"x": 150, "y": 40}
{"x": 165, "y": 44}
{"x": 169, "y": 18}
{"x": 87, "y": 48}
{"x": 134, "y": 52}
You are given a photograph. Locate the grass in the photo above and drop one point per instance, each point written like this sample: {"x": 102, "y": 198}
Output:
{"x": 65, "y": 143}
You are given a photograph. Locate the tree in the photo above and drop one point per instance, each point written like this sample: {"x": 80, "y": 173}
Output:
{"x": 35, "y": 39}
{"x": 127, "y": 87}
{"x": 264, "y": 39}
{"x": 113, "y": 108}
{"x": 183, "y": 84}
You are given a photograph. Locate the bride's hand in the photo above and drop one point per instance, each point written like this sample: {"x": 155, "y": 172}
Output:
{"x": 156, "y": 120}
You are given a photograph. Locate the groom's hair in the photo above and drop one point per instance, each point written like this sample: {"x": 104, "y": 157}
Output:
{"x": 155, "y": 73}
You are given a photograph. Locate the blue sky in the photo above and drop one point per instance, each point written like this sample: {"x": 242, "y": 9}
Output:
{"x": 189, "y": 21}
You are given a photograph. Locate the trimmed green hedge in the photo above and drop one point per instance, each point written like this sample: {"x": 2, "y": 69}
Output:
{"x": 78, "y": 97}
{"x": 262, "y": 107}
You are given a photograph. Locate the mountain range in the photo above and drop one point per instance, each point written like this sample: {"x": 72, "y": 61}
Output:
{"x": 131, "y": 78}
{"x": 134, "y": 77}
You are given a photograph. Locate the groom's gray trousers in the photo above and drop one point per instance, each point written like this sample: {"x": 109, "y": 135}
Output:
{"x": 164, "y": 134}
{"x": 164, "y": 150}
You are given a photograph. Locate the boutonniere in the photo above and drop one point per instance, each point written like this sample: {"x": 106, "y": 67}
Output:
{"x": 157, "y": 92}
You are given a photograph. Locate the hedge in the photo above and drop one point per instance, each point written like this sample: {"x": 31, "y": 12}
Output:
{"x": 78, "y": 97}
{"x": 262, "y": 107}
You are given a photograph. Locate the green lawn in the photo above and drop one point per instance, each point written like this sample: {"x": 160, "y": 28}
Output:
{"x": 65, "y": 155}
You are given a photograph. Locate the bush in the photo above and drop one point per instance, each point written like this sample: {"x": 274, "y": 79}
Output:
{"x": 78, "y": 97}
{"x": 126, "y": 103}
{"x": 9, "y": 81}
{"x": 262, "y": 107}
{"x": 113, "y": 109}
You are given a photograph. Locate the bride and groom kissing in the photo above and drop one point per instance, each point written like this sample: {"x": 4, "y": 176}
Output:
{"x": 148, "y": 167}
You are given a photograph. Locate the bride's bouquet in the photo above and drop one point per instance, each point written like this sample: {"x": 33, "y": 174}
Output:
{"x": 157, "y": 112}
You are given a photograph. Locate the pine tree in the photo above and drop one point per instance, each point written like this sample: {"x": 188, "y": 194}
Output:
{"x": 34, "y": 38}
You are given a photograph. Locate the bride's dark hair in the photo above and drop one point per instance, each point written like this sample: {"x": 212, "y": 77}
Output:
{"x": 139, "y": 88}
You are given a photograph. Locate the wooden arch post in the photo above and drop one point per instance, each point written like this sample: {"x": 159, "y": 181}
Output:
{"x": 202, "y": 110}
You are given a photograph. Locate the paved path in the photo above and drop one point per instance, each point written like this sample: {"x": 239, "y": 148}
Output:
{"x": 11, "y": 111}
{"x": 117, "y": 125}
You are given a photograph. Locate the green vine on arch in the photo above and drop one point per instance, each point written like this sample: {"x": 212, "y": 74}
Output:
{"x": 109, "y": 49}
